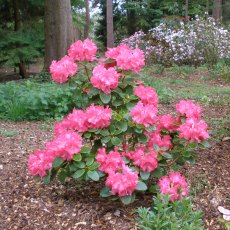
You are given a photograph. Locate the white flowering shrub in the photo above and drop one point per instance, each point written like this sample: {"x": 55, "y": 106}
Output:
{"x": 184, "y": 41}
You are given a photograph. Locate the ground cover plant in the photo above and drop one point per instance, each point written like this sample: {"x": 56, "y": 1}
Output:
{"x": 117, "y": 136}
{"x": 31, "y": 100}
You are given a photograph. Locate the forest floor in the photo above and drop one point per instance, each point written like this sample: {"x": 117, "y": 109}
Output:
{"x": 29, "y": 204}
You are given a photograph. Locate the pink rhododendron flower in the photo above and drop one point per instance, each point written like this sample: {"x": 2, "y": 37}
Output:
{"x": 109, "y": 162}
{"x": 167, "y": 122}
{"x": 83, "y": 51}
{"x": 154, "y": 138}
{"x": 126, "y": 58}
{"x": 65, "y": 145}
{"x": 113, "y": 53}
{"x": 63, "y": 69}
{"x": 98, "y": 117}
{"x": 148, "y": 162}
{"x": 104, "y": 79}
{"x": 123, "y": 183}
{"x": 77, "y": 120}
{"x": 189, "y": 109}
{"x": 39, "y": 162}
{"x": 144, "y": 114}
{"x": 174, "y": 185}
{"x": 147, "y": 95}
{"x": 194, "y": 130}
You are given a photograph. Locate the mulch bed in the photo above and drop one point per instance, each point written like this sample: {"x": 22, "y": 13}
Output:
{"x": 29, "y": 204}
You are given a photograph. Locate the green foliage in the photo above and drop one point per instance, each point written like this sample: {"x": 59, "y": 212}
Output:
{"x": 167, "y": 215}
{"x": 30, "y": 100}
{"x": 22, "y": 46}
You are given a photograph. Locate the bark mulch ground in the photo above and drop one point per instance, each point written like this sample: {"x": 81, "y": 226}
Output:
{"x": 28, "y": 204}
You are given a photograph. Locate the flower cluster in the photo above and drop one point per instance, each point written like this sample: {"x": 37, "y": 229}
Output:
{"x": 123, "y": 183}
{"x": 145, "y": 112}
{"x": 63, "y": 69}
{"x": 126, "y": 58}
{"x": 194, "y": 129}
{"x": 173, "y": 184}
{"x": 94, "y": 117}
{"x": 105, "y": 79}
{"x": 183, "y": 41}
{"x": 64, "y": 146}
{"x": 83, "y": 51}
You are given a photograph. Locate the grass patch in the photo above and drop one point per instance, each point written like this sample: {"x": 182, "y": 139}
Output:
{"x": 8, "y": 133}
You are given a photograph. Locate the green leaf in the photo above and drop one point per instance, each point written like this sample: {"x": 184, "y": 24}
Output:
{"x": 117, "y": 102}
{"x": 151, "y": 128}
{"x": 167, "y": 155}
{"x": 62, "y": 176}
{"x": 122, "y": 125}
{"x": 144, "y": 175}
{"x": 85, "y": 149}
{"x": 116, "y": 141}
{"x": 105, "y": 140}
{"x": 130, "y": 105}
{"x": 47, "y": 178}
{"x": 154, "y": 189}
{"x": 143, "y": 138}
{"x": 94, "y": 166}
{"x": 141, "y": 186}
{"x": 205, "y": 144}
{"x": 77, "y": 157}
{"x": 93, "y": 175}
{"x": 89, "y": 161}
{"x": 126, "y": 199}
{"x": 78, "y": 173}
{"x": 105, "y": 98}
{"x": 157, "y": 173}
{"x": 105, "y": 192}
{"x": 104, "y": 132}
{"x": 57, "y": 162}
{"x": 87, "y": 135}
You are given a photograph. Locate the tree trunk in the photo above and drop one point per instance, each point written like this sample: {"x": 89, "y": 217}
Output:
{"x": 21, "y": 65}
{"x": 217, "y": 9}
{"x": 186, "y": 7}
{"x": 58, "y": 30}
{"x": 109, "y": 23}
{"x": 87, "y": 19}
{"x": 131, "y": 20}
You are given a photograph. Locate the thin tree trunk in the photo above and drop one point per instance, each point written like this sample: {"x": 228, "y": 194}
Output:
{"x": 131, "y": 20}
{"x": 217, "y": 9}
{"x": 87, "y": 19}
{"x": 186, "y": 7}
{"x": 109, "y": 19}
{"x": 58, "y": 30}
{"x": 21, "y": 65}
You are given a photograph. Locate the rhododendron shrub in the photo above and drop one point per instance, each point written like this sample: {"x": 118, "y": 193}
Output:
{"x": 117, "y": 135}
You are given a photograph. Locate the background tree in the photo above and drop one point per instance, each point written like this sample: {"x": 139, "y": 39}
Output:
{"x": 109, "y": 20}
{"x": 217, "y": 9}
{"x": 21, "y": 33}
{"x": 58, "y": 29}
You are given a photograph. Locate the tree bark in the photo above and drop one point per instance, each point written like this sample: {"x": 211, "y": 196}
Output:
{"x": 217, "y": 9}
{"x": 58, "y": 30}
{"x": 87, "y": 19}
{"x": 109, "y": 23}
{"x": 186, "y": 7}
{"x": 21, "y": 65}
{"x": 131, "y": 20}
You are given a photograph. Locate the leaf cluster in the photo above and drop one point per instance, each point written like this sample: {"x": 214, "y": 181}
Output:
{"x": 167, "y": 215}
